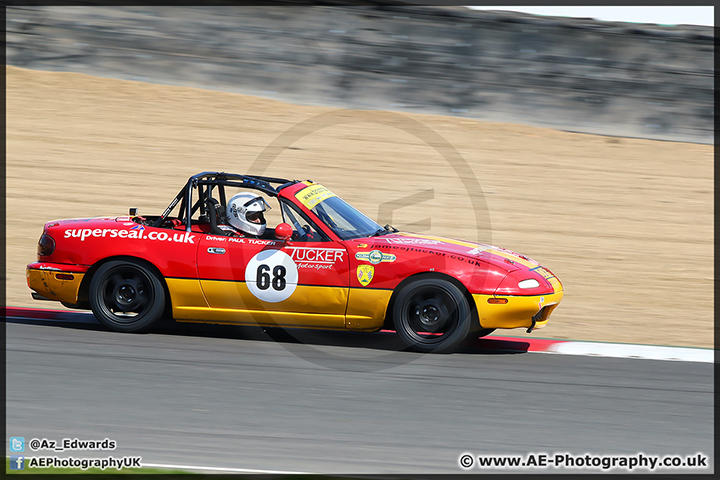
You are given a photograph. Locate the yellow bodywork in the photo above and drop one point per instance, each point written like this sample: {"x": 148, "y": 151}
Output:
{"x": 366, "y": 308}
{"x": 46, "y": 283}
{"x": 233, "y": 303}
{"x": 517, "y": 312}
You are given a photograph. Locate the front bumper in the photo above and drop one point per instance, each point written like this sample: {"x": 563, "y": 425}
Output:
{"x": 56, "y": 281}
{"x": 531, "y": 312}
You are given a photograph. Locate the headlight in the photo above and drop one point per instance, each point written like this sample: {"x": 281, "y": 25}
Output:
{"x": 529, "y": 283}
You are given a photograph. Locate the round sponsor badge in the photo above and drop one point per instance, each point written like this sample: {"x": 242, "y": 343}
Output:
{"x": 375, "y": 257}
{"x": 271, "y": 276}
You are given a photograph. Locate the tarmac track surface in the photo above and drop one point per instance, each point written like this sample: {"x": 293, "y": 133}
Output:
{"x": 238, "y": 397}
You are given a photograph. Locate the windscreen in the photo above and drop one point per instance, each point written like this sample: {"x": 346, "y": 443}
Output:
{"x": 345, "y": 220}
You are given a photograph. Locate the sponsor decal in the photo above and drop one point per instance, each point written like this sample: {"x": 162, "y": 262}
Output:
{"x": 476, "y": 251}
{"x": 256, "y": 241}
{"x": 365, "y": 274}
{"x": 375, "y": 256}
{"x": 411, "y": 241}
{"x": 225, "y": 239}
{"x": 314, "y": 266}
{"x": 316, "y": 258}
{"x": 544, "y": 273}
{"x": 514, "y": 256}
{"x": 141, "y": 234}
{"x": 313, "y": 195}
{"x": 271, "y": 276}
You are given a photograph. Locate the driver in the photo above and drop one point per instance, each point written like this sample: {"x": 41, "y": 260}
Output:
{"x": 245, "y": 213}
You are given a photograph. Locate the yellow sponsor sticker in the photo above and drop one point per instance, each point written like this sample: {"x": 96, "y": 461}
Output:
{"x": 544, "y": 273}
{"x": 557, "y": 286}
{"x": 365, "y": 274}
{"x": 313, "y": 195}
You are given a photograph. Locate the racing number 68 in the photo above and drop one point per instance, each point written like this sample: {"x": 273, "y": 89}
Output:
{"x": 278, "y": 280}
{"x": 271, "y": 268}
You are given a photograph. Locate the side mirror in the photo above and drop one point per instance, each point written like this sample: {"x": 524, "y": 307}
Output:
{"x": 283, "y": 231}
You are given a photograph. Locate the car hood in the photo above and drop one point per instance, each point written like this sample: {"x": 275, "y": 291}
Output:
{"x": 501, "y": 257}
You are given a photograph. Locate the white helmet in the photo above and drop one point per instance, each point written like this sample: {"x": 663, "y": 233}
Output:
{"x": 245, "y": 212}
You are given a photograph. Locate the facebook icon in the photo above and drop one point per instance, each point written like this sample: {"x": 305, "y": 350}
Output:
{"x": 17, "y": 462}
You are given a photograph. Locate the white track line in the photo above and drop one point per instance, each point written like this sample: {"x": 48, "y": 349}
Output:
{"x": 620, "y": 350}
{"x": 222, "y": 469}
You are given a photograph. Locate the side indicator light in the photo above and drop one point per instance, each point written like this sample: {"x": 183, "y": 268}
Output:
{"x": 64, "y": 276}
{"x": 496, "y": 300}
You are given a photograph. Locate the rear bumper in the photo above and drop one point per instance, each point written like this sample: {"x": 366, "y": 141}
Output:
{"x": 56, "y": 281}
{"x": 531, "y": 312}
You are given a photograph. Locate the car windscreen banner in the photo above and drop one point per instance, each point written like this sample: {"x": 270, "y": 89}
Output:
{"x": 313, "y": 195}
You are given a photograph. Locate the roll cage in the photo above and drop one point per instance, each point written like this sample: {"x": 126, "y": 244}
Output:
{"x": 206, "y": 182}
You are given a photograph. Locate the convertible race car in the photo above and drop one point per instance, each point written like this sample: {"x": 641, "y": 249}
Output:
{"x": 325, "y": 265}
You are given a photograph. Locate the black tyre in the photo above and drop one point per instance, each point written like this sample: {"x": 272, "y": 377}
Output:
{"x": 126, "y": 296}
{"x": 77, "y": 306}
{"x": 432, "y": 315}
{"x": 483, "y": 332}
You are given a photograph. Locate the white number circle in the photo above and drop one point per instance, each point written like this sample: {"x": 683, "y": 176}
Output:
{"x": 271, "y": 276}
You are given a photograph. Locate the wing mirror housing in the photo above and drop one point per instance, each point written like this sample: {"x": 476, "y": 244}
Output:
{"x": 283, "y": 231}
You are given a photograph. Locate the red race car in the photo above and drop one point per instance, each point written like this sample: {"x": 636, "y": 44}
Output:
{"x": 325, "y": 265}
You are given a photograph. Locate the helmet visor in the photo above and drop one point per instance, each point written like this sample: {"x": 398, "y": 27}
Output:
{"x": 255, "y": 217}
{"x": 261, "y": 203}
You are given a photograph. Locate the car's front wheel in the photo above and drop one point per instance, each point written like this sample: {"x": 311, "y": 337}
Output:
{"x": 432, "y": 315}
{"x": 126, "y": 296}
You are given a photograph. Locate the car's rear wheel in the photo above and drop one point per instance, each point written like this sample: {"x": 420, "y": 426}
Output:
{"x": 432, "y": 315}
{"x": 126, "y": 296}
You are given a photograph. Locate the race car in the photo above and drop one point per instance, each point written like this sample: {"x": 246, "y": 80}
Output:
{"x": 210, "y": 257}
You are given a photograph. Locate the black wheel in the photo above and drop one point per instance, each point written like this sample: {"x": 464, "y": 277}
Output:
{"x": 432, "y": 315}
{"x": 126, "y": 296}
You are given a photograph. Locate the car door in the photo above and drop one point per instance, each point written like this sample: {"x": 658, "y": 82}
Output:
{"x": 301, "y": 282}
